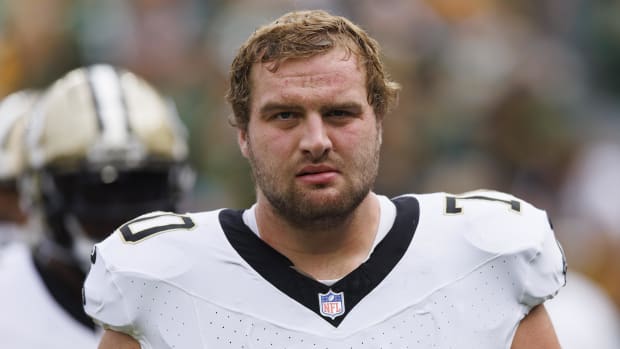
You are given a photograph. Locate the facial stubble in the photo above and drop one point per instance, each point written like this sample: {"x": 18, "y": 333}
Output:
{"x": 295, "y": 204}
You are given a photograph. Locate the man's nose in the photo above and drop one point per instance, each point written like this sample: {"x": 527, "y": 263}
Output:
{"x": 315, "y": 140}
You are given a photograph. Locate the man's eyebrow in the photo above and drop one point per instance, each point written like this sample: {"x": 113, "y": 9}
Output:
{"x": 353, "y": 106}
{"x": 277, "y": 106}
{"x": 273, "y": 106}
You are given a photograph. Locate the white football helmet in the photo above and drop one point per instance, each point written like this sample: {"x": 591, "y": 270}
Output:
{"x": 14, "y": 110}
{"x": 103, "y": 147}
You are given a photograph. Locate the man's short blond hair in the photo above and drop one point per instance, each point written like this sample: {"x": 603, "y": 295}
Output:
{"x": 303, "y": 34}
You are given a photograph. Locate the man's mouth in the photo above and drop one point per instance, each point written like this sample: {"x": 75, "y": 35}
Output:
{"x": 315, "y": 169}
{"x": 317, "y": 174}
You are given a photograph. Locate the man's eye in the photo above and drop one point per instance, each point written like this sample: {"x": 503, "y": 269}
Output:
{"x": 284, "y": 116}
{"x": 338, "y": 113}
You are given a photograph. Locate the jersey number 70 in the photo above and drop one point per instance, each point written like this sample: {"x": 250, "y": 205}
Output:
{"x": 147, "y": 226}
{"x": 452, "y": 208}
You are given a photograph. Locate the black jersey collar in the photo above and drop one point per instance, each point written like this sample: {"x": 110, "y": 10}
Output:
{"x": 340, "y": 298}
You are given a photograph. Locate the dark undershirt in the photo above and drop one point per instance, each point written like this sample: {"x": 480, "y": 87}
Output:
{"x": 64, "y": 283}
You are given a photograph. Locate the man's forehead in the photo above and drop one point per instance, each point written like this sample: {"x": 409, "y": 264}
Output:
{"x": 314, "y": 80}
{"x": 298, "y": 67}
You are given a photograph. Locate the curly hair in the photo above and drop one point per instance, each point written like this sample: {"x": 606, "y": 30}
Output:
{"x": 303, "y": 34}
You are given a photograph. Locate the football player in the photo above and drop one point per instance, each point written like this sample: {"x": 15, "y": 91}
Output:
{"x": 13, "y": 112}
{"x": 103, "y": 146}
{"x": 320, "y": 260}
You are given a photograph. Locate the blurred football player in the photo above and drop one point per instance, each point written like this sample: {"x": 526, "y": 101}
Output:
{"x": 13, "y": 112}
{"x": 103, "y": 146}
{"x": 320, "y": 260}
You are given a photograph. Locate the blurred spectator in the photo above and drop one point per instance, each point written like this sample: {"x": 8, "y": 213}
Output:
{"x": 590, "y": 220}
{"x": 36, "y": 43}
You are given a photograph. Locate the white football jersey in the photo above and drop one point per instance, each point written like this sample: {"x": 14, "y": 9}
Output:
{"x": 450, "y": 272}
{"x": 29, "y": 315}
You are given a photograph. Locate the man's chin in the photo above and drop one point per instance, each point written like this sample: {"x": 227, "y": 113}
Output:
{"x": 329, "y": 202}
{"x": 319, "y": 197}
{"x": 316, "y": 206}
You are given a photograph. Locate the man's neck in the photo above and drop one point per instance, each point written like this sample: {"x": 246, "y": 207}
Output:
{"x": 330, "y": 253}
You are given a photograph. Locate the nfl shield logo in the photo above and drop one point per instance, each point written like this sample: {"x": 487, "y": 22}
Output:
{"x": 331, "y": 304}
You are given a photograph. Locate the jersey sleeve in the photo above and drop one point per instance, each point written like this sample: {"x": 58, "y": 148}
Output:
{"x": 117, "y": 285}
{"x": 544, "y": 269}
{"x": 103, "y": 298}
{"x": 502, "y": 225}
{"x": 136, "y": 284}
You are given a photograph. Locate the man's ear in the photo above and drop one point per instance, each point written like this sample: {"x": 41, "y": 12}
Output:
{"x": 242, "y": 139}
